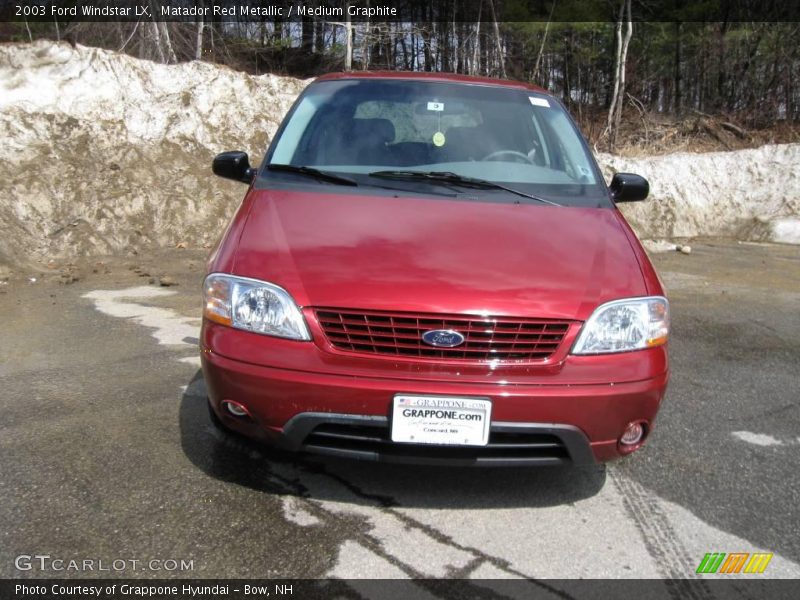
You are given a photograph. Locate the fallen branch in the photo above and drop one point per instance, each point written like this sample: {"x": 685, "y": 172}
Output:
{"x": 737, "y": 131}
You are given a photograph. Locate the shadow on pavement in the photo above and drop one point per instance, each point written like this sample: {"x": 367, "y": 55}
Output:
{"x": 229, "y": 457}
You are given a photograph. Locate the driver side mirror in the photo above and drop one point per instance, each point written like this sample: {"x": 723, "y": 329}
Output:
{"x": 627, "y": 187}
{"x": 233, "y": 165}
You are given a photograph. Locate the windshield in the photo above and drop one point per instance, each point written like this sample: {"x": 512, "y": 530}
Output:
{"x": 503, "y": 135}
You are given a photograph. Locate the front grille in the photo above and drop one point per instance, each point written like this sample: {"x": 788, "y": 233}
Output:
{"x": 400, "y": 334}
{"x": 374, "y": 439}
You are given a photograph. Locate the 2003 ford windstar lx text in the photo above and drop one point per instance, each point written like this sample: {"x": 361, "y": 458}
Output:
{"x": 430, "y": 268}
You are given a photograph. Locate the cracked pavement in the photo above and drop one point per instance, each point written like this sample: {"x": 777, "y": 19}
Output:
{"x": 107, "y": 451}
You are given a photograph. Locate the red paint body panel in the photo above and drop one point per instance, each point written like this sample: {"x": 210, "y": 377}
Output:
{"x": 443, "y": 77}
{"x": 275, "y": 395}
{"x": 378, "y": 252}
{"x": 223, "y": 255}
{"x": 316, "y": 357}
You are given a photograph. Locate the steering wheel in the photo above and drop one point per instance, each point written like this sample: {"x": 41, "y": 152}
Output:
{"x": 513, "y": 153}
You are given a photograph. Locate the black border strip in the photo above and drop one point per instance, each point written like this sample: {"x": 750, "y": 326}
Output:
{"x": 423, "y": 11}
{"x": 729, "y": 588}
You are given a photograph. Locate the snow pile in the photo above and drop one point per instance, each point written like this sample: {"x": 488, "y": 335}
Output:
{"x": 196, "y": 104}
{"x": 747, "y": 194}
{"x": 103, "y": 153}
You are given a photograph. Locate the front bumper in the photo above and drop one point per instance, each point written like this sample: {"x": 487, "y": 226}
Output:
{"x": 346, "y": 415}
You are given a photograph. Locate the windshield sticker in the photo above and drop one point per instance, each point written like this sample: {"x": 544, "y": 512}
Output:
{"x": 438, "y": 139}
{"x": 437, "y": 106}
{"x": 539, "y": 101}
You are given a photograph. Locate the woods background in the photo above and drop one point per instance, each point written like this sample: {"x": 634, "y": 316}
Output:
{"x": 723, "y": 70}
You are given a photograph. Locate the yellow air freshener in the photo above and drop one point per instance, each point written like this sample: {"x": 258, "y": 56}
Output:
{"x": 438, "y": 139}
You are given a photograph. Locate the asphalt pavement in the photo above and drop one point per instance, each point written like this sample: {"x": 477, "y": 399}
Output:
{"x": 107, "y": 452}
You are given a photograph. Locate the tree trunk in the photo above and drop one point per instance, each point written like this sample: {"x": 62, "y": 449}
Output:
{"x": 444, "y": 35}
{"x": 348, "y": 44}
{"x": 365, "y": 58}
{"x": 426, "y": 46}
{"x": 319, "y": 42}
{"x": 617, "y": 100}
{"x": 157, "y": 41}
{"x": 402, "y": 39}
{"x": 169, "y": 52}
{"x": 161, "y": 36}
{"x": 307, "y": 35}
{"x": 617, "y": 64}
{"x": 721, "y": 73}
{"x": 624, "y": 62}
{"x": 198, "y": 46}
{"x": 500, "y": 56}
{"x": 677, "y": 74}
{"x": 566, "y": 59}
{"x": 477, "y": 47}
{"x": 456, "y": 42}
{"x": 538, "y": 63}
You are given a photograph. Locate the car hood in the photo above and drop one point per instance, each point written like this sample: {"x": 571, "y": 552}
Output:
{"x": 438, "y": 255}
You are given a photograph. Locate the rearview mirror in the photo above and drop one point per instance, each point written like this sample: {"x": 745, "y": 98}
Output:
{"x": 233, "y": 165}
{"x": 627, "y": 187}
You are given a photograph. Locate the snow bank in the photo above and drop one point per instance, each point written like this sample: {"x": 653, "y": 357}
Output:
{"x": 747, "y": 194}
{"x": 196, "y": 104}
{"x": 105, "y": 153}
{"x": 786, "y": 231}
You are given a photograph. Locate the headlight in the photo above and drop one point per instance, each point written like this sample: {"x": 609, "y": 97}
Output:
{"x": 624, "y": 325}
{"x": 253, "y": 305}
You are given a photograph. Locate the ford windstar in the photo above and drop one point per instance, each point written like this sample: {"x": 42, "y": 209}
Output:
{"x": 430, "y": 268}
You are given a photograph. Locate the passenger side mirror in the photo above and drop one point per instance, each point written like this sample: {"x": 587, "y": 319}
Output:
{"x": 233, "y": 165}
{"x": 627, "y": 187}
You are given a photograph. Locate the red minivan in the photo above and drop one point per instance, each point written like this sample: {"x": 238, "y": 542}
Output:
{"x": 429, "y": 268}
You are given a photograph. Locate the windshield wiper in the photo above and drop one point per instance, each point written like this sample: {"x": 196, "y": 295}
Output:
{"x": 312, "y": 172}
{"x": 456, "y": 179}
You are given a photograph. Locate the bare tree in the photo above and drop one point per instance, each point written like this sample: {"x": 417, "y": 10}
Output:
{"x": 615, "y": 111}
{"x": 161, "y": 38}
{"x": 198, "y": 46}
{"x": 538, "y": 64}
{"x": 500, "y": 55}
{"x": 156, "y": 33}
{"x": 477, "y": 47}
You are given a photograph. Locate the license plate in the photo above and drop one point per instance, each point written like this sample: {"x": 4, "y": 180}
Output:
{"x": 444, "y": 420}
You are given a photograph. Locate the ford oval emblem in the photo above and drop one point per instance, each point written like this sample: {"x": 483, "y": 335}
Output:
{"x": 443, "y": 338}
